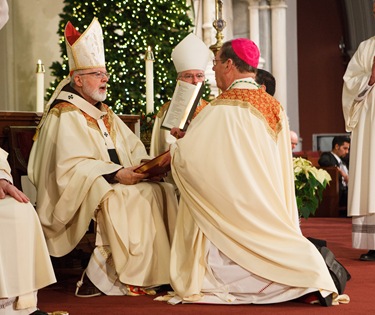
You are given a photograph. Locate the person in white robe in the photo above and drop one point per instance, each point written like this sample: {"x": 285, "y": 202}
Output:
{"x": 190, "y": 58}
{"x": 82, "y": 163}
{"x": 4, "y": 13}
{"x": 25, "y": 264}
{"x": 358, "y": 102}
{"x": 237, "y": 237}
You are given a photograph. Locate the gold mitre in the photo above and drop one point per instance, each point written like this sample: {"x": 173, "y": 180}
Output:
{"x": 191, "y": 54}
{"x": 86, "y": 50}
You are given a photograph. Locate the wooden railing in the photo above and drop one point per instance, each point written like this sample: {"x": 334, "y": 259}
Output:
{"x": 330, "y": 204}
{"x": 32, "y": 119}
{"x": 16, "y": 132}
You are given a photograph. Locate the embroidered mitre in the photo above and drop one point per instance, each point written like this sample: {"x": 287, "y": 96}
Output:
{"x": 191, "y": 54}
{"x": 86, "y": 50}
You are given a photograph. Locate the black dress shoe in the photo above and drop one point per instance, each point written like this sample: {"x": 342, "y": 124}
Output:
{"x": 39, "y": 312}
{"x": 327, "y": 301}
{"x": 370, "y": 256}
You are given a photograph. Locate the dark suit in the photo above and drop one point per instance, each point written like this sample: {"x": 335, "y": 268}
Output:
{"x": 328, "y": 159}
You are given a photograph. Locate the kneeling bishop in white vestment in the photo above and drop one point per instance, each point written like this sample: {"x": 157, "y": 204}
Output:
{"x": 237, "y": 237}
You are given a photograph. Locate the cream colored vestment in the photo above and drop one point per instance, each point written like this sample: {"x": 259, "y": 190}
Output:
{"x": 25, "y": 264}
{"x": 358, "y": 101}
{"x": 234, "y": 171}
{"x": 161, "y": 139}
{"x": 66, "y": 165}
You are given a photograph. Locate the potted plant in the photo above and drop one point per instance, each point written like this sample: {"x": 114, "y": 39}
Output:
{"x": 309, "y": 185}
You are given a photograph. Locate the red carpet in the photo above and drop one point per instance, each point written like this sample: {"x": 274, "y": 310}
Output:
{"x": 337, "y": 233}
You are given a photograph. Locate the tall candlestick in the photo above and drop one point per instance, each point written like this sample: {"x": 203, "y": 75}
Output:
{"x": 40, "y": 86}
{"x": 219, "y": 24}
{"x": 149, "y": 58}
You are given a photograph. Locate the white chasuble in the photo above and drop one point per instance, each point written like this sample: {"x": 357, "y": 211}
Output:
{"x": 66, "y": 165}
{"x": 235, "y": 175}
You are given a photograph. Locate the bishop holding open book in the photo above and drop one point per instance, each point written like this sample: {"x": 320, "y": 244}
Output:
{"x": 190, "y": 58}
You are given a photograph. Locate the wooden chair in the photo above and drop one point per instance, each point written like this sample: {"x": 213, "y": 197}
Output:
{"x": 313, "y": 157}
{"x": 20, "y": 140}
{"x": 301, "y": 154}
{"x": 330, "y": 204}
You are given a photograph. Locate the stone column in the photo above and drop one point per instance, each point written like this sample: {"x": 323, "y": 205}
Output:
{"x": 198, "y": 18}
{"x": 257, "y": 31}
{"x": 254, "y": 20}
{"x": 265, "y": 45}
{"x": 208, "y": 15}
{"x": 279, "y": 66}
{"x": 208, "y": 38}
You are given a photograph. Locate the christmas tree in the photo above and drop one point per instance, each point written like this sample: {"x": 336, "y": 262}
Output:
{"x": 129, "y": 27}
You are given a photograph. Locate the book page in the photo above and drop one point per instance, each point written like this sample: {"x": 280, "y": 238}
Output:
{"x": 185, "y": 99}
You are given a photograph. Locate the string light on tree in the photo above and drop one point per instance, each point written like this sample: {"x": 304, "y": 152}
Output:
{"x": 129, "y": 27}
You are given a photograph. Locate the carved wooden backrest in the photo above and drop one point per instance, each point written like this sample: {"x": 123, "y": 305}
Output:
{"x": 20, "y": 143}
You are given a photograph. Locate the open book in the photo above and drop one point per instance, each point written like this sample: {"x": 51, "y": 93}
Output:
{"x": 152, "y": 167}
{"x": 184, "y": 101}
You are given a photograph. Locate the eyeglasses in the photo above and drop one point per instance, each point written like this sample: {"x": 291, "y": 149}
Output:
{"x": 214, "y": 61}
{"x": 189, "y": 76}
{"x": 98, "y": 74}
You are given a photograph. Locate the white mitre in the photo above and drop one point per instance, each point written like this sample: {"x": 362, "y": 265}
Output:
{"x": 191, "y": 54}
{"x": 86, "y": 50}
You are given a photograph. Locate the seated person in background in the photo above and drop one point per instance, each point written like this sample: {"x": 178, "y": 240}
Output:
{"x": 340, "y": 149}
{"x": 267, "y": 80}
{"x": 293, "y": 139}
{"x": 82, "y": 163}
{"x": 190, "y": 58}
{"x": 25, "y": 265}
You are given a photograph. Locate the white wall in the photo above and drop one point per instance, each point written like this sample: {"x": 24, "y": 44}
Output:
{"x": 29, "y": 35}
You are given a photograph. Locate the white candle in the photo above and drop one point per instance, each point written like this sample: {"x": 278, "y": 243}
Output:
{"x": 40, "y": 86}
{"x": 149, "y": 81}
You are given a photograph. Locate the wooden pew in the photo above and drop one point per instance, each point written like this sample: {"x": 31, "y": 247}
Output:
{"x": 16, "y": 132}
{"x": 329, "y": 206}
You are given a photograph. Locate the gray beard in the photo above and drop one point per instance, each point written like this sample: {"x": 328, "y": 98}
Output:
{"x": 95, "y": 95}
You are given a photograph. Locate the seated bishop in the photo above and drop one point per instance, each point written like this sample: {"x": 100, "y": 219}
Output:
{"x": 190, "y": 58}
{"x": 82, "y": 163}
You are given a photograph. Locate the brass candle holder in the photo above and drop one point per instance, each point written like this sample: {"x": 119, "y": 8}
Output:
{"x": 219, "y": 24}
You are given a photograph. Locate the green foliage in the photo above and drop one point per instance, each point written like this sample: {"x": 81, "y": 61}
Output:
{"x": 309, "y": 185}
{"x": 129, "y": 27}
{"x": 147, "y": 122}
